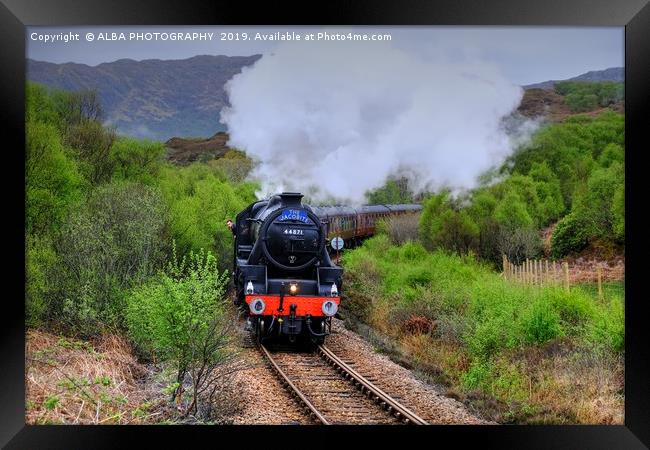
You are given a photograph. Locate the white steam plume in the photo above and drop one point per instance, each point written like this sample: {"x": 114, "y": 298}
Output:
{"x": 334, "y": 119}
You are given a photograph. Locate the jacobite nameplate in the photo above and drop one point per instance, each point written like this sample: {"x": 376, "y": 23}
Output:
{"x": 295, "y": 214}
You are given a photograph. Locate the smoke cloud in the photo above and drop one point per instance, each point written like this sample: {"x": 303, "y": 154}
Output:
{"x": 335, "y": 119}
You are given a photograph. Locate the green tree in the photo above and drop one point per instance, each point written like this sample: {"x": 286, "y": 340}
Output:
{"x": 394, "y": 191}
{"x": 511, "y": 212}
{"x": 137, "y": 160}
{"x": 91, "y": 144}
{"x": 611, "y": 153}
{"x": 180, "y": 317}
{"x": 200, "y": 202}
{"x": 430, "y": 225}
{"x": 571, "y": 235}
{"x": 117, "y": 238}
{"x": 52, "y": 182}
{"x": 457, "y": 232}
{"x": 235, "y": 165}
{"x": 594, "y": 206}
{"x": 549, "y": 193}
{"x": 618, "y": 212}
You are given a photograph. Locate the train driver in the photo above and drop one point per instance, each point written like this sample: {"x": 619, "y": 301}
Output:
{"x": 231, "y": 226}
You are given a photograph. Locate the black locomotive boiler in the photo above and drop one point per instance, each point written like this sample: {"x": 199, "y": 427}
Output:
{"x": 282, "y": 271}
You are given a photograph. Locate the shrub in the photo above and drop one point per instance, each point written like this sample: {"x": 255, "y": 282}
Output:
{"x": 519, "y": 244}
{"x": 180, "y": 317}
{"x": 540, "y": 323}
{"x": 607, "y": 330}
{"x": 400, "y": 229}
{"x": 570, "y": 236}
{"x": 117, "y": 238}
{"x": 40, "y": 262}
{"x": 412, "y": 251}
{"x": 477, "y": 375}
{"x": 486, "y": 339}
{"x": 574, "y": 307}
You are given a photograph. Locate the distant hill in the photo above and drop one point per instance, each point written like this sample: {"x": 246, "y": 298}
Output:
{"x": 153, "y": 98}
{"x": 161, "y": 99}
{"x": 184, "y": 151}
{"x": 611, "y": 74}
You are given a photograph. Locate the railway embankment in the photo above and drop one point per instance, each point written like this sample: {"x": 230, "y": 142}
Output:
{"x": 515, "y": 352}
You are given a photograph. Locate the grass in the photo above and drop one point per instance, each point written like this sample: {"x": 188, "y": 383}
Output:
{"x": 610, "y": 289}
{"x": 524, "y": 354}
{"x": 78, "y": 382}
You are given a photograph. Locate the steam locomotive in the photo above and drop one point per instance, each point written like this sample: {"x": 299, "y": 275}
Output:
{"x": 283, "y": 273}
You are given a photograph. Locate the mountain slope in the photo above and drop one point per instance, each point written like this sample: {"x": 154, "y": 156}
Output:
{"x": 611, "y": 74}
{"x": 152, "y": 98}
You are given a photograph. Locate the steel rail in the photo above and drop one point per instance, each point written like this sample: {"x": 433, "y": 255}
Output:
{"x": 393, "y": 406}
{"x": 287, "y": 382}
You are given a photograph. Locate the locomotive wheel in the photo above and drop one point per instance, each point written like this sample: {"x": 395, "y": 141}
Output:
{"x": 259, "y": 330}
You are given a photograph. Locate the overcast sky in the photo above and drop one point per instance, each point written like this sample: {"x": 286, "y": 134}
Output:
{"x": 524, "y": 54}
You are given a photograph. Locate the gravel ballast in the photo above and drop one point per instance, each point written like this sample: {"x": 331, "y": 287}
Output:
{"x": 263, "y": 400}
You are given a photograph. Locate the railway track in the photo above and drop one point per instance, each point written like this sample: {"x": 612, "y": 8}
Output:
{"x": 332, "y": 392}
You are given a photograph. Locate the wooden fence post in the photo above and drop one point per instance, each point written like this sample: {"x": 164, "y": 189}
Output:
{"x": 525, "y": 266}
{"x": 532, "y": 272}
{"x": 546, "y": 267}
{"x": 600, "y": 282}
{"x": 555, "y": 272}
{"x": 565, "y": 265}
{"x": 504, "y": 260}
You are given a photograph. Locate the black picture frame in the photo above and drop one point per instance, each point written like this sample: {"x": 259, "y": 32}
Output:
{"x": 16, "y": 14}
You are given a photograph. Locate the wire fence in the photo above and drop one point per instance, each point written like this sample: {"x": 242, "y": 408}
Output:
{"x": 543, "y": 272}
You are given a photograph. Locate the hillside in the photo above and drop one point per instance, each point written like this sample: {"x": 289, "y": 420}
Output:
{"x": 611, "y": 74}
{"x": 160, "y": 99}
{"x": 553, "y": 107}
{"x": 185, "y": 151}
{"x": 153, "y": 98}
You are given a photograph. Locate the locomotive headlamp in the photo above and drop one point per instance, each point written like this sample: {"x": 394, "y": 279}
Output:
{"x": 329, "y": 308}
{"x": 334, "y": 292}
{"x": 257, "y": 306}
{"x": 293, "y": 288}
{"x": 249, "y": 288}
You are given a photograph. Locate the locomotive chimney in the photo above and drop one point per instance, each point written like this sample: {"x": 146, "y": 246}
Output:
{"x": 291, "y": 198}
